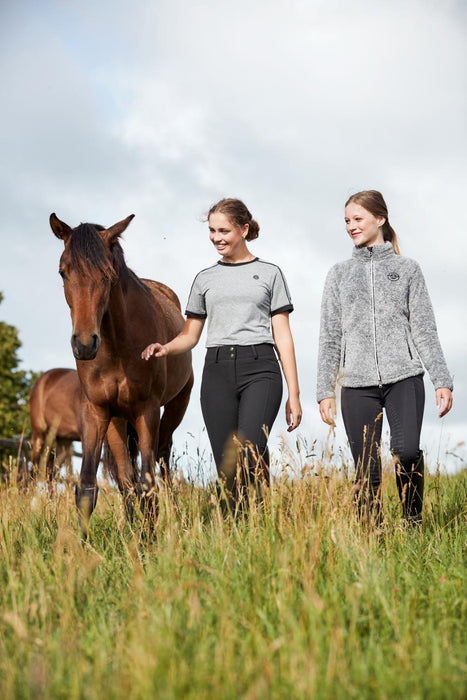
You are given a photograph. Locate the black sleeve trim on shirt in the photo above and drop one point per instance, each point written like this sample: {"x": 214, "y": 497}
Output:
{"x": 286, "y": 288}
{"x": 191, "y": 314}
{"x": 288, "y": 308}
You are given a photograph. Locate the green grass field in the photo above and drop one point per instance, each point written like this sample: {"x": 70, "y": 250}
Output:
{"x": 297, "y": 601}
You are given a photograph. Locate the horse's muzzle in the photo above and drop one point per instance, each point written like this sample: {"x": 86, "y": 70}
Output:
{"x": 85, "y": 351}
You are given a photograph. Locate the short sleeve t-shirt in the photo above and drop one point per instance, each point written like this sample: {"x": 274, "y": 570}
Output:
{"x": 238, "y": 300}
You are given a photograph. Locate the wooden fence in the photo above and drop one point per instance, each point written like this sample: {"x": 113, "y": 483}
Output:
{"x": 23, "y": 447}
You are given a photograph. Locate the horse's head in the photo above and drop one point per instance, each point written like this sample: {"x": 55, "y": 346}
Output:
{"x": 91, "y": 262}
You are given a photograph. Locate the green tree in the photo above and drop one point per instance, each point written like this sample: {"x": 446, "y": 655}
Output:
{"x": 15, "y": 384}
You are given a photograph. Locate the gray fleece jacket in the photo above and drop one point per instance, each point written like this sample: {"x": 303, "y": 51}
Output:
{"x": 377, "y": 324}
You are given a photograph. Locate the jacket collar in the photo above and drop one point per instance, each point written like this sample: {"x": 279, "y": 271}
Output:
{"x": 377, "y": 252}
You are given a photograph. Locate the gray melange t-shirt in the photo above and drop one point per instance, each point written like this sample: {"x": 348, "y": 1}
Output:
{"x": 238, "y": 300}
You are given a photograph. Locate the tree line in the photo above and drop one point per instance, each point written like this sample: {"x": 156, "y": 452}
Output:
{"x": 15, "y": 386}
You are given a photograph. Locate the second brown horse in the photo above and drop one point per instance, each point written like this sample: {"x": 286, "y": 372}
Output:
{"x": 115, "y": 315}
{"x": 55, "y": 415}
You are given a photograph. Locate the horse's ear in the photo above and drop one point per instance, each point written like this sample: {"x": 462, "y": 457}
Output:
{"x": 111, "y": 234}
{"x": 60, "y": 229}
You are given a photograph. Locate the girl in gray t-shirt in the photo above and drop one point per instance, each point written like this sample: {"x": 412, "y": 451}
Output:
{"x": 246, "y": 303}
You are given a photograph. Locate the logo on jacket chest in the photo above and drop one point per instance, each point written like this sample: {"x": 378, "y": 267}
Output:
{"x": 393, "y": 276}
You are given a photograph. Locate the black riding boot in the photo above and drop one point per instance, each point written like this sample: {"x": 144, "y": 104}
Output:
{"x": 410, "y": 481}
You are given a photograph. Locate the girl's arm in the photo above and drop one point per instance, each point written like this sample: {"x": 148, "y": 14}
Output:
{"x": 425, "y": 336}
{"x": 424, "y": 332}
{"x": 286, "y": 351}
{"x": 184, "y": 341}
{"x": 330, "y": 345}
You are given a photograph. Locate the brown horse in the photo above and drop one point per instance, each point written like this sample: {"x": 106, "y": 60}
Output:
{"x": 55, "y": 414}
{"x": 115, "y": 315}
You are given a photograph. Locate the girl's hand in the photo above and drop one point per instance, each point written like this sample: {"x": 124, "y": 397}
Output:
{"x": 293, "y": 413}
{"x": 327, "y": 410}
{"x": 155, "y": 349}
{"x": 443, "y": 401}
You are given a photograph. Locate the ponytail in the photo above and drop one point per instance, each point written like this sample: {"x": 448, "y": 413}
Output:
{"x": 390, "y": 235}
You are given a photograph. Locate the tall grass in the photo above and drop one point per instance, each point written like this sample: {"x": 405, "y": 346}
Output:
{"x": 298, "y": 600}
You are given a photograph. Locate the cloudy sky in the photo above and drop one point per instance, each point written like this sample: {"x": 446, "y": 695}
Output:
{"x": 159, "y": 108}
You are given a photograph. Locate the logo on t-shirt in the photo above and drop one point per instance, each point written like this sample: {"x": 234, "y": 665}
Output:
{"x": 393, "y": 276}
{"x": 256, "y": 277}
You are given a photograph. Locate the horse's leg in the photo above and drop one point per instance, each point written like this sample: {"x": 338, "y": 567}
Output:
{"x": 133, "y": 449}
{"x": 62, "y": 457}
{"x": 37, "y": 445}
{"x": 173, "y": 414}
{"x": 121, "y": 466}
{"x": 42, "y": 448}
{"x": 147, "y": 427}
{"x": 95, "y": 423}
{"x": 68, "y": 461}
{"x": 53, "y": 456}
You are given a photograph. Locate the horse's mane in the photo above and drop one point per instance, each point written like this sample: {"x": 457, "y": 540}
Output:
{"x": 88, "y": 252}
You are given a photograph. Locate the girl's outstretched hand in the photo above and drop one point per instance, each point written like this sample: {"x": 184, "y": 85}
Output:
{"x": 443, "y": 401}
{"x": 155, "y": 349}
{"x": 327, "y": 410}
{"x": 293, "y": 413}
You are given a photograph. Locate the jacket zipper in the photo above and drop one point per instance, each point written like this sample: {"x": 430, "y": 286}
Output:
{"x": 380, "y": 384}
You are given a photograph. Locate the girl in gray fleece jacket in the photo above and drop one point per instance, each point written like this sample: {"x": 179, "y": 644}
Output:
{"x": 377, "y": 334}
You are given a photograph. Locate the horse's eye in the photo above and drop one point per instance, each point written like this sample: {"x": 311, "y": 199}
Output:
{"x": 62, "y": 274}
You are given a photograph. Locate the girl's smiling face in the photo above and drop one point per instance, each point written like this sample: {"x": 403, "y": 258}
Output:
{"x": 363, "y": 227}
{"x": 227, "y": 237}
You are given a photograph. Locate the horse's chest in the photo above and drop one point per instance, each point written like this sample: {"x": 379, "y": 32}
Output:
{"x": 117, "y": 392}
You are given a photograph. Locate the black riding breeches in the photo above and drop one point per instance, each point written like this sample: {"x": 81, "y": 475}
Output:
{"x": 241, "y": 393}
{"x": 362, "y": 411}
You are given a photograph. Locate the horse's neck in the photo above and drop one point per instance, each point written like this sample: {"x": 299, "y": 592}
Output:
{"x": 115, "y": 322}
{"x": 129, "y": 315}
